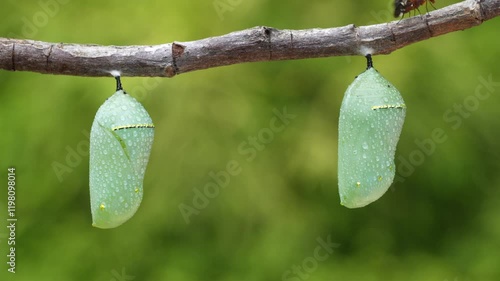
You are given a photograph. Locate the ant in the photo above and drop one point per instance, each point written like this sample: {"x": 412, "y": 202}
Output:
{"x": 401, "y": 7}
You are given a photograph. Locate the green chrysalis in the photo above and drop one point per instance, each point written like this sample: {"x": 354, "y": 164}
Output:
{"x": 120, "y": 144}
{"x": 371, "y": 119}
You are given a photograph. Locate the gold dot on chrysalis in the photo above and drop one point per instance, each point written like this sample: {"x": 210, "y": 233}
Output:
{"x": 102, "y": 206}
{"x": 136, "y": 190}
{"x": 358, "y": 184}
{"x": 379, "y": 178}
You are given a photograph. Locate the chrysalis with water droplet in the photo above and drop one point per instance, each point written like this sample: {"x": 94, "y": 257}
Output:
{"x": 371, "y": 119}
{"x": 120, "y": 144}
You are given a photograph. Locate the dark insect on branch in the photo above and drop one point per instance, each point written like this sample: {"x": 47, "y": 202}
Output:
{"x": 402, "y": 7}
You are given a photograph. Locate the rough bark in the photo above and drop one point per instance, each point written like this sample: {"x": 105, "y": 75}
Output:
{"x": 250, "y": 45}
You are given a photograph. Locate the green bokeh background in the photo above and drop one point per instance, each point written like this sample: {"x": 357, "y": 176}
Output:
{"x": 439, "y": 222}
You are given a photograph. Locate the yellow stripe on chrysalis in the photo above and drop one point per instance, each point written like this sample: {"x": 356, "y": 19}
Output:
{"x": 133, "y": 126}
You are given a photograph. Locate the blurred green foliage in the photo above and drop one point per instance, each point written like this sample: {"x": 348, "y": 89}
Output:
{"x": 440, "y": 221}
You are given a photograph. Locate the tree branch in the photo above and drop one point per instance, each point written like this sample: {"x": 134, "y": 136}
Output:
{"x": 250, "y": 45}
